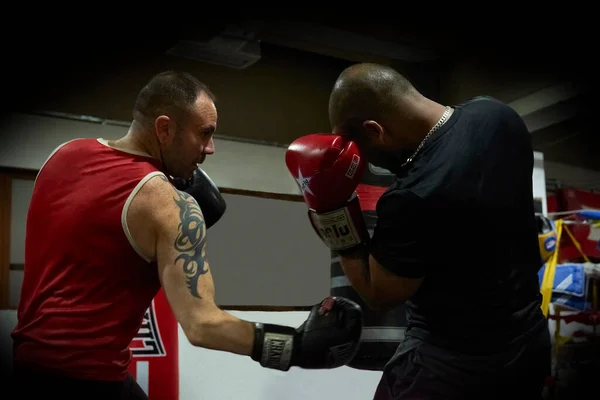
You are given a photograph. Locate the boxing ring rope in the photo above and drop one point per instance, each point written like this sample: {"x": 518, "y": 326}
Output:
{"x": 126, "y": 124}
{"x": 558, "y": 213}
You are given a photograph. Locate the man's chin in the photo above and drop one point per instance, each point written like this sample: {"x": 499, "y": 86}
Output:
{"x": 184, "y": 175}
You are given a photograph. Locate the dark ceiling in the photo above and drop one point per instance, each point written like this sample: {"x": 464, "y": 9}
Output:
{"x": 540, "y": 48}
{"x": 562, "y": 128}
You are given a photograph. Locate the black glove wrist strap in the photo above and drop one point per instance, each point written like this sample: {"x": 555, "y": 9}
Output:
{"x": 259, "y": 337}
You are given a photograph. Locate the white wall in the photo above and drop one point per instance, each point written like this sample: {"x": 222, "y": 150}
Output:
{"x": 21, "y": 191}
{"x": 261, "y": 252}
{"x": 539, "y": 180}
{"x": 8, "y": 320}
{"x": 225, "y": 376}
{"x": 27, "y": 140}
{"x": 568, "y": 175}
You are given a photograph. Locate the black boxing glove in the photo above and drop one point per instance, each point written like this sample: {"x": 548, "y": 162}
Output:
{"x": 329, "y": 338}
{"x": 206, "y": 193}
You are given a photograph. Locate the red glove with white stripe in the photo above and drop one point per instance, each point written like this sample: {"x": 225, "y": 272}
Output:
{"x": 328, "y": 169}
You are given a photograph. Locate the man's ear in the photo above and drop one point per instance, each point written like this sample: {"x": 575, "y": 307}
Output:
{"x": 165, "y": 128}
{"x": 374, "y": 131}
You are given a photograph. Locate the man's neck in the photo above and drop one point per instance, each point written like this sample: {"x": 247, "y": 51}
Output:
{"x": 136, "y": 139}
{"x": 420, "y": 119}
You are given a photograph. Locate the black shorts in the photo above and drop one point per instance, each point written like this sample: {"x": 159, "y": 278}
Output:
{"x": 27, "y": 382}
{"x": 420, "y": 370}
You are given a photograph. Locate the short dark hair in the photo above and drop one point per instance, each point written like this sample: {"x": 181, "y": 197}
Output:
{"x": 365, "y": 91}
{"x": 169, "y": 93}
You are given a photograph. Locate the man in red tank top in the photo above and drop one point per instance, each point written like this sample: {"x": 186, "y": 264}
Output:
{"x": 107, "y": 228}
{"x": 89, "y": 275}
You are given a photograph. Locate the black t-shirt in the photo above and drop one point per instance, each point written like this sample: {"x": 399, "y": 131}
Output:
{"x": 462, "y": 216}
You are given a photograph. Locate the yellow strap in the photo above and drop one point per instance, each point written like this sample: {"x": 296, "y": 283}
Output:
{"x": 577, "y": 245}
{"x": 549, "y": 272}
{"x": 586, "y": 259}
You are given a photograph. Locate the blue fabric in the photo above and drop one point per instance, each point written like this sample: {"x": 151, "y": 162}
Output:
{"x": 570, "y": 286}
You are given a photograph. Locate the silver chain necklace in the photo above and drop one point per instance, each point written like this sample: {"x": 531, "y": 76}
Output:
{"x": 437, "y": 126}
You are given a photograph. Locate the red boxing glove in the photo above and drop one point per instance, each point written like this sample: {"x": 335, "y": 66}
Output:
{"x": 328, "y": 169}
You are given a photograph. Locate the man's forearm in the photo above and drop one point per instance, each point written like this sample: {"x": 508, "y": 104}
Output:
{"x": 223, "y": 331}
{"x": 355, "y": 265}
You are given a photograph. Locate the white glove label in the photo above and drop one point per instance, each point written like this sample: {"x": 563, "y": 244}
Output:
{"x": 336, "y": 229}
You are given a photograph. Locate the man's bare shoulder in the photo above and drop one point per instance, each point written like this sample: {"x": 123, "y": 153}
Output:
{"x": 158, "y": 198}
{"x": 156, "y": 187}
{"x": 156, "y": 212}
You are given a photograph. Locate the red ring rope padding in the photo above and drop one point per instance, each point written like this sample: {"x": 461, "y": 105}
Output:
{"x": 368, "y": 195}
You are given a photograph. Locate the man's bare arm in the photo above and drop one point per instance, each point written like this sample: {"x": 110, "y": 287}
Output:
{"x": 185, "y": 273}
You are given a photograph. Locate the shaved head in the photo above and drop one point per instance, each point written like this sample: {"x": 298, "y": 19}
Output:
{"x": 366, "y": 91}
{"x": 379, "y": 109}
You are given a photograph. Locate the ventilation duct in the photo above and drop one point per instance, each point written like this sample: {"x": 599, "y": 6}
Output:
{"x": 224, "y": 50}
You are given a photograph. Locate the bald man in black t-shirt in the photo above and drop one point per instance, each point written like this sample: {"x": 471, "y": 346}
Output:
{"x": 455, "y": 240}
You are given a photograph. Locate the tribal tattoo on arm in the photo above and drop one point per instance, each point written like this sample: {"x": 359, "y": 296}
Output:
{"x": 190, "y": 241}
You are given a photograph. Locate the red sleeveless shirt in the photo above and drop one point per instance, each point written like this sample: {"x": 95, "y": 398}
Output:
{"x": 85, "y": 287}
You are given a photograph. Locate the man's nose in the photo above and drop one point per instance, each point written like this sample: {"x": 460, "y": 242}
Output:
{"x": 210, "y": 147}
